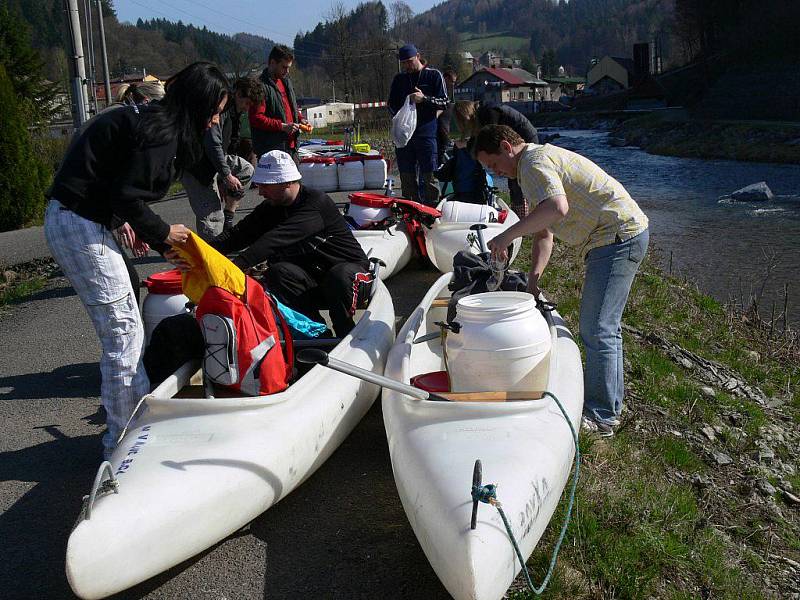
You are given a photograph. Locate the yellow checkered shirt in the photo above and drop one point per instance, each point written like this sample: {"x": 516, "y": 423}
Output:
{"x": 601, "y": 211}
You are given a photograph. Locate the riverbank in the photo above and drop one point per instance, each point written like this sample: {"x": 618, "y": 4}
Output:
{"x": 697, "y": 493}
{"x": 672, "y": 133}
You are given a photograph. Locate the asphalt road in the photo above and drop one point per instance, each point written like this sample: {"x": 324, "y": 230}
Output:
{"x": 342, "y": 534}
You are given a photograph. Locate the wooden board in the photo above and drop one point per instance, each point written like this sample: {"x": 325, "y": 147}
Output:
{"x": 440, "y": 303}
{"x": 490, "y": 396}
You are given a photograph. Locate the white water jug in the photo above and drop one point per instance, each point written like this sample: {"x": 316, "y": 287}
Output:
{"x": 164, "y": 299}
{"x": 374, "y": 172}
{"x": 467, "y": 212}
{"x": 351, "y": 173}
{"x": 320, "y": 173}
{"x": 503, "y": 344}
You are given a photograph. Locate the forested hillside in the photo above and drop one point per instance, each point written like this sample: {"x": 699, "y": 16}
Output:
{"x": 158, "y": 45}
{"x": 577, "y": 30}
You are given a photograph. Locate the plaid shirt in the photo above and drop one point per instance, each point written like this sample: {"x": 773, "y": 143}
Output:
{"x": 601, "y": 212}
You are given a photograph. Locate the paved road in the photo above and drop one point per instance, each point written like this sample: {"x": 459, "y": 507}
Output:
{"x": 342, "y": 534}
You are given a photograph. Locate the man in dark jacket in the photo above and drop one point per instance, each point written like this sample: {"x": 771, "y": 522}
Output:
{"x": 275, "y": 122}
{"x": 315, "y": 262}
{"x": 443, "y": 140}
{"x": 419, "y": 158}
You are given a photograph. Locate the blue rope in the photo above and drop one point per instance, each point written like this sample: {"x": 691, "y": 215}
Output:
{"x": 488, "y": 495}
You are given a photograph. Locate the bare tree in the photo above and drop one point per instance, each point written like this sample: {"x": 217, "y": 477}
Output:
{"x": 401, "y": 15}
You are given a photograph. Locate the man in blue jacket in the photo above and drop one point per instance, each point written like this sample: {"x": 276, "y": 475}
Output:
{"x": 419, "y": 159}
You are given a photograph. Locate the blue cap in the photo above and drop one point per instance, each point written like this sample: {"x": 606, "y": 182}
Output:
{"x": 407, "y": 51}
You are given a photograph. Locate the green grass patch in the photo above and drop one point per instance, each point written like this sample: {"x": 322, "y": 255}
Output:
{"x": 640, "y": 529}
{"x": 18, "y": 291}
{"x": 498, "y": 41}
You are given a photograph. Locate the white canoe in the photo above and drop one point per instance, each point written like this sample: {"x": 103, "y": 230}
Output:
{"x": 445, "y": 239}
{"x": 525, "y": 447}
{"x": 192, "y": 471}
{"x": 392, "y": 246}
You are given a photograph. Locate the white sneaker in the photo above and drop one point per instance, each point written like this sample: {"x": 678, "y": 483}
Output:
{"x": 600, "y": 429}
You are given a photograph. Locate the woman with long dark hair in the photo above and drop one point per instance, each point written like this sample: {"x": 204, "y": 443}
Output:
{"x": 124, "y": 159}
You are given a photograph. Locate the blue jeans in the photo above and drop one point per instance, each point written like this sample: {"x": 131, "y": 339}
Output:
{"x": 609, "y": 274}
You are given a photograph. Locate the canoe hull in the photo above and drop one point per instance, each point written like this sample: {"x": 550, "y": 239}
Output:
{"x": 392, "y": 246}
{"x": 524, "y": 447}
{"x": 193, "y": 471}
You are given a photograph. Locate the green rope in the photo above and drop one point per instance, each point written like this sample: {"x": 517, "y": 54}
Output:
{"x": 488, "y": 495}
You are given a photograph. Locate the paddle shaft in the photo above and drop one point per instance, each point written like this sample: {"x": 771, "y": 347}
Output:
{"x": 324, "y": 359}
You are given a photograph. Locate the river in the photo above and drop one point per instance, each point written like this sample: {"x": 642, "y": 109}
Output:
{"x": 730, "y": 249}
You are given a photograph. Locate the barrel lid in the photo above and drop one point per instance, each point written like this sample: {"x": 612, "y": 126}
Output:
{"x": 327, "y": 160}
{"x": 372, "y": 156}
{"x": 165, "y": 282}
{"x": 349, "y": 159}
{"x": 371, "y": 200}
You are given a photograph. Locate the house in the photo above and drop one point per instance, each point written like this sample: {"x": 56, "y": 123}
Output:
{"x": 500, "y": 85}
{"x": 565, "y": 86}
{"x": 610, "y": 74}
{"x": 100, "y": 88}
{"x": 331, "y": 113}
{"x": 468, "y": 59}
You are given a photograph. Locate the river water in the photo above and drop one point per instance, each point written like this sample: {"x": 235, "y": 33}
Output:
{"x": 730, "y": 249}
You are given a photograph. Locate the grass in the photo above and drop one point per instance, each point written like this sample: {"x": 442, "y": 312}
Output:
{"x": 737, "y": 140}
{"x": 11, "y": 293}
{"x": 641, "y": 527}
{"x": 480, "y": 43}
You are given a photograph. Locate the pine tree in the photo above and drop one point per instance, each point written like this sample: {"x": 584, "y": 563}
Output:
{"x": 25, "y": 68}
{"x": 21, "y": 194}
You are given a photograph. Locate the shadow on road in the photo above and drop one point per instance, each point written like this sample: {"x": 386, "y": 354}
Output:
{"x": 80, "y": 380}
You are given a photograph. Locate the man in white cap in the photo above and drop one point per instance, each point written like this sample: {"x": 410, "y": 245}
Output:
{"x": 313, "y": 257}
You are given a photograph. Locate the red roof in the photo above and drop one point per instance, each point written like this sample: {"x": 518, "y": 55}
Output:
{"x": 505, "y": 75}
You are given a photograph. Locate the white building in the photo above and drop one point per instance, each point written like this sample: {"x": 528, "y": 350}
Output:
{"x": 331, "y": 113}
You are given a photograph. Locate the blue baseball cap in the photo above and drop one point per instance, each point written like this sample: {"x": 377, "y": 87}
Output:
{"x": 407, "y": 51}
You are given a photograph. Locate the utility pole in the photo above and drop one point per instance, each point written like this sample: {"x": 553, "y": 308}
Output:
{"x": 92, "y": 98}
{"x": 106, "y": 77}
{"x": 79, "y": 95}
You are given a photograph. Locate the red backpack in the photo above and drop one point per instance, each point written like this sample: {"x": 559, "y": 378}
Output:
{"x": 243, "y": 340}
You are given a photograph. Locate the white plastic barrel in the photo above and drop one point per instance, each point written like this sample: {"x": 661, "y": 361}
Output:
{"x": 374, "y": 172}
{"x": 502, "y": 346}
{"x": 164, "y": 299}
{"x": 351, "y": 174}
{"x": 466, "y": 212}
{"x": 320, "y": 173}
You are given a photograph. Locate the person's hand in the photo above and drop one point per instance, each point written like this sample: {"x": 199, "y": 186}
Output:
{"x": 178, "y": 234}
{"x": 127, "y": 236}
{"x": 290, "y": 128}
{"x": 140, "y": 248}
{"x": 417, "y": 96}
{"x": 498, "y": 246}
{"x": 177, "y": 260}
{"x": 232, "y": 183}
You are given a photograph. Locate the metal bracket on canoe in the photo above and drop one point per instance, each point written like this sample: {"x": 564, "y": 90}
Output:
{"x": 476, "y": 484}
{"x": 481, "y": 493}
{"x": 101, "y": 487}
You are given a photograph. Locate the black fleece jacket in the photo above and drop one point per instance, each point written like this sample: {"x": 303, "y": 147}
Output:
{"x": 108, "y": 178}
{"x": 310, "y": 232}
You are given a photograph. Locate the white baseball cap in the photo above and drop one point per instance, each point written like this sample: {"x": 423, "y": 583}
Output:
{"x": 276, "y": 166}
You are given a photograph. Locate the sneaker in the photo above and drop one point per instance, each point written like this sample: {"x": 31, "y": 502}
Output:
{"x": 600, "y": 429}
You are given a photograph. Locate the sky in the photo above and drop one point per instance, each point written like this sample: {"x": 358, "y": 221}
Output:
{"x": 275, "y": 19}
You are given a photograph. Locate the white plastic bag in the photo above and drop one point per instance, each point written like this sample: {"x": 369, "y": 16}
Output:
{"x": 404, "y": 123}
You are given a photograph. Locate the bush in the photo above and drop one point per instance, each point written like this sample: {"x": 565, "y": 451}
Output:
{"x": 21, "y": 178}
